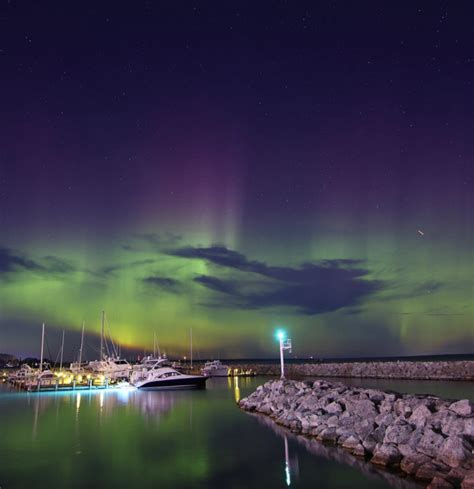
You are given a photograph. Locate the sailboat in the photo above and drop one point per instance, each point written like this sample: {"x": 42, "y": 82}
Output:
{"x": 78, "y": 367}
{"x": 151, "y": 360}
{"x": 44, "y": 375}
{"x": 110, "y": 366}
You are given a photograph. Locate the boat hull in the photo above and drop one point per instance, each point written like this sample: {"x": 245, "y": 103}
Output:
{"x": 216, "y": 372}
{"x": 187, "y": 383}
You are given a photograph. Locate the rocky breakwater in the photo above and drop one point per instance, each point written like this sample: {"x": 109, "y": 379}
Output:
{"x": 429, "y": 438}
{"x": 435, "y": 370}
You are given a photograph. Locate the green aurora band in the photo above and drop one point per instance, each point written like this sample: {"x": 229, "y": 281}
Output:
{"x": 423, "y": 306}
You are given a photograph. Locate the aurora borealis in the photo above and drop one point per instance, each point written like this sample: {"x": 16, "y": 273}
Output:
{"x": 234, "y": 168}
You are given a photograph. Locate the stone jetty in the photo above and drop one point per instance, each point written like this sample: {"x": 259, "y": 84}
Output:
{"x": 425, "y": 437}
{"x": 403, "y": 369}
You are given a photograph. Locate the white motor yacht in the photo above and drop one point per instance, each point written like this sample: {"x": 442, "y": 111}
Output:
{"x": 159, "y": 377}
{"x": 113, "y": 368}
{"x": 215, "y": 369}
{"x": 25, "y": 372}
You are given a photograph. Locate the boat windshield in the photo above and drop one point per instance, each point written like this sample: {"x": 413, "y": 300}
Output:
{"x": 169, "y": 374}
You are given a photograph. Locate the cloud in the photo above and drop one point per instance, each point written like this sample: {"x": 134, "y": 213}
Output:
{"x": 165, "y": 283}
{"x": 312, "y": 288}
{"x": 12, "y": 261}
{"x": 55, "y": 264}
{"x": 418, "y": 290}
{"x": 214, "y": 283}
{"x": 122, "y": 266}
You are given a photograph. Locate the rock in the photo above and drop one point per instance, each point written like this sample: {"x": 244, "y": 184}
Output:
{"x": 315, "y": 420}
{"x": 386, "y": 455}
{"x": 391, "y": 396}
{"x": 369, "y": 443}
{"x": 454, "y": 451}
{"x": 426, "y": 471}
{"x": 328, "y": 434}
{"x": 455, "y": 476}
{"x": 374, "y": 395}
{"x": 420, "y": 416}
{"x": 468, "y": 428}
{"x": 333, "y": 421}
{"x": 430, "y": 443}
{"x": 359, "y": 450}
{"x": 333, "y": 408}
{"x": 379, "y": 434}
{"x": 364, "y": 427}
{"x": 362, "y": 408}
{"x": 402, "y": 407}
{"x": 439, "y": 483}
{"x": 386, "y": 406}
{"x": 410, "y": 464}
{"x": 468, "y": 481}
{"x": 463, "y": 407}
{"x": 398, "y": 434}
{"x": 407, "y": 450}
{"x": 429, "y": 438}
{"x": 448, "y": 422}
{"x": 317, "y": 430}
{"x": 384, "y": 419}
{"x": 351, "y": 442}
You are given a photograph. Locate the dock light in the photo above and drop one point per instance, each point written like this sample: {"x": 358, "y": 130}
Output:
{"x": 285, "y": 344}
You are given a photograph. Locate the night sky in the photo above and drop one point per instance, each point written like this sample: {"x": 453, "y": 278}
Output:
{"x": 232, "y": 167}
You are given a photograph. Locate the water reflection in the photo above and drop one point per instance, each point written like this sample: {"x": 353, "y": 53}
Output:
{"x": 166, "y": 439}
{"x": 336, "y": 454}
{"x": 236, "y": 389}
{"x": 291, "y": 464}
{"x": 148, "y": 403}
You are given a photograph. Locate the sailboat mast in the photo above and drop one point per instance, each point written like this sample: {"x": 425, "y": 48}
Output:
{"x": 154, "y": 344}
{"x": 102, "y": 336}
{"x": 42, "y": 349}
{"x": 191, "y": 340}
{"x": 82, "y": 344}
{"x": 62, "y": 354}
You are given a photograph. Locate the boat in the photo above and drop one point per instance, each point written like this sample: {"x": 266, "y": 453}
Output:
{"x": 159, "y": 377}
{"x": 112, "y": 367}
{"x": 215, "y": 369}
{"x": 151, "y": 361}
{"x": 25, "y": 372}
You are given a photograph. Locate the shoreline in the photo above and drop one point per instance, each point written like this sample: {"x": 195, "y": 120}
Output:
{"x": 428, "y": 438}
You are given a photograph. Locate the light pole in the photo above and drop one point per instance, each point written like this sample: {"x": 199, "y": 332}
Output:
{"x": 285, "y": 344}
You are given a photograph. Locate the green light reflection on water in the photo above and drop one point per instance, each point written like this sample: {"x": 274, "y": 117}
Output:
{"x": 155, "y": 439}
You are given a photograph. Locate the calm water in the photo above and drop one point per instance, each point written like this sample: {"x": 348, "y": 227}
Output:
{"x": 166, "y": 439}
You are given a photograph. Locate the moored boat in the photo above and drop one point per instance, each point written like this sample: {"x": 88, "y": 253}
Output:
{"x": 159, "y": 377}
{"x": 111, "y": 368}
{"x": 215, "y": 369}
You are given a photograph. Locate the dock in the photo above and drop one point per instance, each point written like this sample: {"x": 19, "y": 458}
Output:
{"x": 62, "y": 384}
